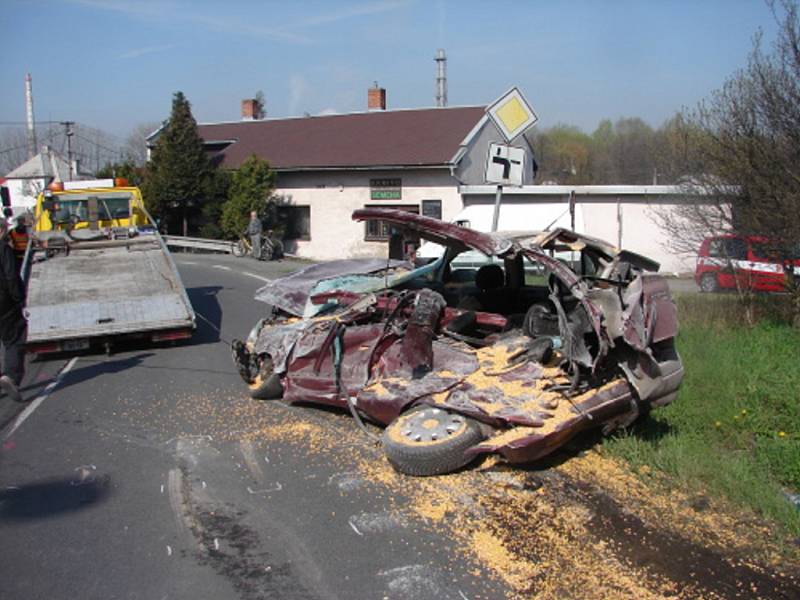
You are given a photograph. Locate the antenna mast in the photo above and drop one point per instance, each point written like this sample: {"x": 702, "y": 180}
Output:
{"x": 441, "y": 78}
{"x": 29, "y": 114}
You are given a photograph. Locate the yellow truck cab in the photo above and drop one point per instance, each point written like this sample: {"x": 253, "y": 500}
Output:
{"x": 97, "y": 270}
{"x": 104, "y": 207}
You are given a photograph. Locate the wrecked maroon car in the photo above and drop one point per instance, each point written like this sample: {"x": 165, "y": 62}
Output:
{"x": 547, "y": 334}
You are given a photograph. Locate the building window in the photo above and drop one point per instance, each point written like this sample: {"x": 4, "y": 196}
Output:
{"x": 432, "y": 208}
{"x": 378, "y": 231}
{"x": 297, "y": 220}
{"x": 385, "y": 189}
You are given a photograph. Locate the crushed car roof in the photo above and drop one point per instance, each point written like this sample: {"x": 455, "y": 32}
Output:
{"x": 499, "y": 242}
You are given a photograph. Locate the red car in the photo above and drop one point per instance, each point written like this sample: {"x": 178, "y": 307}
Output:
{"x": 513, "y": 357}
{"x": 729, "y": 262}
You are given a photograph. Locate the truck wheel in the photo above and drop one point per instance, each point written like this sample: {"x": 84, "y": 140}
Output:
{"x": 430, "y": 441}
{"x": 266, "y": 385}
{"x": 709, "y": 283}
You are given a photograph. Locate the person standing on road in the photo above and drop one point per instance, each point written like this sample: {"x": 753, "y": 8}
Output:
{"x": 12, "y": 323}
{"x": 254, "y": 229}
{"x": 19, "y": 239}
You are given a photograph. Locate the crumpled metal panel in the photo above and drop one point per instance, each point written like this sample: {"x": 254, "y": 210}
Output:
{"x": 386, "y": 395}
{"x": 291, "y": 293}
{"x": 439, "y": 232}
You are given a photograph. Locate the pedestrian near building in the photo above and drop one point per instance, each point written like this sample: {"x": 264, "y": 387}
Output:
{"x": 12, "y": 322}
{"x": 254, "y": 229}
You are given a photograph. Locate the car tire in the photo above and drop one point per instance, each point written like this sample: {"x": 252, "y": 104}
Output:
{"x": 267, "y": 384}
{"x": 238, "y": 249}
{"x": 709, "y": 283}
{"x": 430, "y": 441}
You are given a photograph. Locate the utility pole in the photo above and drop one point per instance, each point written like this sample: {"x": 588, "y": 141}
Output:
{"x": 69, "y": 133}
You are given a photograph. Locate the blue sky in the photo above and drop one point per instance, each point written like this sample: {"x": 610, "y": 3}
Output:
{"x": 114, "y": 64}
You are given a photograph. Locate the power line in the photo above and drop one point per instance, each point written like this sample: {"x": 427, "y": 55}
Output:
{"x": 25, "y": 122}
{"x": 97, "y": 144}
{"x": 13, "y": 149}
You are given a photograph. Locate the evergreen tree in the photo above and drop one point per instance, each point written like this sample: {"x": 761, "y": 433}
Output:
{"x": 250, "y": 189}
{"x": 178, "y": 172}
{"x": 126, "y": 170}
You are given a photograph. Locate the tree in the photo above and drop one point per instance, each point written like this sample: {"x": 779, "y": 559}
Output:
{"x": 178, "y": 172}
{"x": 745, "y": 152}
{"x": 250, "y": 189}
{"x": 562, "y": 153}
{"x": 262, "y": 105}
{"x": 135, "y": 147}
{"x": 216, "y": 195}
{"x": 126, "y": 170}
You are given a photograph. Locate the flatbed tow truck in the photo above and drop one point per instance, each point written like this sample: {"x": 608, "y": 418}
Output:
{"x": 97, "y": 271}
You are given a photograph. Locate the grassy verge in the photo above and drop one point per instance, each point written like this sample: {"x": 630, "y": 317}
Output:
{"x": 734, "y": 430}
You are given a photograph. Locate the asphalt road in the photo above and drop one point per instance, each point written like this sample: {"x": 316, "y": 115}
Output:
{"x": 150, "y": 474}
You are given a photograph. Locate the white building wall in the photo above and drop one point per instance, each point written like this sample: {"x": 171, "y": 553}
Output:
{"x": 333, "y": 196}
{"x": 23, "y": 193}
{"x": 636, "y": 229}
{"x": 627, "y": 219}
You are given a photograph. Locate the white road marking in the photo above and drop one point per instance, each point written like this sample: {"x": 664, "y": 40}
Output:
{"x": 245, "y": 273}
{"x": 254, "y": 276}
{"x": 187, "y": 262}
{"x": 41, "y": 398}
{"x": 169, "y": 550}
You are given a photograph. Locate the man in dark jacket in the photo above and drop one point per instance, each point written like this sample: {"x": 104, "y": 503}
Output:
{"x": 12, "y": 323}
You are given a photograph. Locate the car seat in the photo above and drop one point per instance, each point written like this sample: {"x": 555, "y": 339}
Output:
{"x": 491, "y": 295}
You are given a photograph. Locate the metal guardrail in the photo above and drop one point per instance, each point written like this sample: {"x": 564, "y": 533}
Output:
{"x": 179, "y": 241}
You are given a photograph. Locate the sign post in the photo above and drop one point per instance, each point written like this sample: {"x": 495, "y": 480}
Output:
{"x": 512, "y": 115}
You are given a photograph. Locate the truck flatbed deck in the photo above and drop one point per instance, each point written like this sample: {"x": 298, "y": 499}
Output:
{"x": 87, "y": 293}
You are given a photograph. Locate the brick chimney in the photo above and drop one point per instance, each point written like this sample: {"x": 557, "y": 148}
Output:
{"x": 252, "y": 110}
{"x": 376, "y": 98}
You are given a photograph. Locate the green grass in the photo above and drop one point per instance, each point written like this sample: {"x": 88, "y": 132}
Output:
{"x": 734, "y": 430}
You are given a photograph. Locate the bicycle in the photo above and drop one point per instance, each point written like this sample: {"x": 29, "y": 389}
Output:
{"x": 270, "y": 250}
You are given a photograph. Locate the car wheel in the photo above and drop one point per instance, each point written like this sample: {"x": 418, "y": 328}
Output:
{"x": 267, "y": 384}
{"x": 430, "y": 441}
{"x": 709, "y": 283}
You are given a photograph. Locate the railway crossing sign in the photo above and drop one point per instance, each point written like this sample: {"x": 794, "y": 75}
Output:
{"x": 512, "y": 114}
{"x": 505, "y": 164}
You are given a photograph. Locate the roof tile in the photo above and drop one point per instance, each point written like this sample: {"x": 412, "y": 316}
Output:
{"x": 419, "y": 137}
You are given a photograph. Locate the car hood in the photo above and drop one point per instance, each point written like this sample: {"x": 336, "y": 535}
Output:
{"x": 291, "y": 293}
